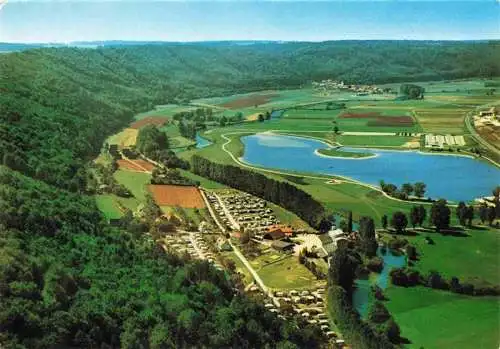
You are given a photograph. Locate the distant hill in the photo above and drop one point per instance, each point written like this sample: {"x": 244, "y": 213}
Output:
{"x": 13, "y": 47}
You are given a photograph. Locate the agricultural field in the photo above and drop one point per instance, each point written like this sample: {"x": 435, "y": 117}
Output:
{"x": 177, "y": 195}
{"x": 124, "y": 139}
{"x": 166, "y": 110}
{"x": 149, "y": 120}
{"x": 108, "y": 206}
{"x": 135, "y": 182}
{"x": 438, "y": 319}
{"x": 490, "y": 133}
{"x": 137, "y": 165}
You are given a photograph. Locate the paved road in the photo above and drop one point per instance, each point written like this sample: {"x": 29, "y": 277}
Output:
{"x": 252, "y": 271}
{"x": 229, "y": 216}
{"x": 242, "y": 258}
{"x": 211, "y": 211}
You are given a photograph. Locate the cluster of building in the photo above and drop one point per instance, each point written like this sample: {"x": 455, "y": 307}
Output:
{"x": 489, "y": 117}
{"x": 249, "y": 211}
{"x": 329, "y": 85}
{"x": 441, "y": 141}
{"x": 191, "y": 243}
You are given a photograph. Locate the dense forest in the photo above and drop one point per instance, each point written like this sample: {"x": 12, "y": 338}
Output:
{"x": 67, "y": 279}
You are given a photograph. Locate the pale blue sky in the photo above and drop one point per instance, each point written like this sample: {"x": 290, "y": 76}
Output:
{"x": 64, "y": 21}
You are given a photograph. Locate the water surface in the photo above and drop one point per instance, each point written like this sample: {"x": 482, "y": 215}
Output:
{"x": 447, "y": 176}
{"x": 201, "y": 142}
{"x": 361, "y": 296}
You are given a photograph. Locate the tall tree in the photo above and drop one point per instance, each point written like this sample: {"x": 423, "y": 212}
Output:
{"x": 491, "y": 215}
{"x": 419, "y": 189}
{"x": 324, "y": 225}
{"x": 440, "y": 215}
{"x": 349, "y": 222}
{"x": 367, "y": 235}
{"x": 414, "y": 216}
{"x": 407, "y": 188}
{"x": 422, "y": 214}
{"x": 342, "y": 271}
{"x": 469, "y": 215}
{"x": 483, "y": 213}
{"x": 384, "y": 221}
{"x": 399, "y": 221}
{"x": 461, "y": 212}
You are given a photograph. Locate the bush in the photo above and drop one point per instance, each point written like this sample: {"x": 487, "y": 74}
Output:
{"x": 375, "y": 264}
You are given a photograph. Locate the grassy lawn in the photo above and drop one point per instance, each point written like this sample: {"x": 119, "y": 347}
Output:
{"x": 204, "y": 182}
{"x": 174, "y": 137}
{"x": 134, "y": 181}
{"x": 288, "y": 274}
{"x": 288, "y": 218}
{"x": 108, "y": 206}
{"x": 470, "y": 257}
{"x": 362, "y": 201}
{"x": 164, "y": 110}
{"x": 190, "y": 214}
{"x": 437, "y": 319}
{"x": 240, "y": 267}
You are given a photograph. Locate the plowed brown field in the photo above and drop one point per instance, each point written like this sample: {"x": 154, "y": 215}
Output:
{"x": 135, "y": 165}
{"x": 250, "y": 101}
{"x": 150, "y": 120}
{"x": 177, "y": 195}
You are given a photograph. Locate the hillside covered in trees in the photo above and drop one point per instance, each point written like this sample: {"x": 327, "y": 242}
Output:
{"x": 69, "y": 280}
{"x": 57, "y": 105}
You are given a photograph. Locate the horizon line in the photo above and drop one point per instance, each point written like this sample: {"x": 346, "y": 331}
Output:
{"x": 232, "y": 40}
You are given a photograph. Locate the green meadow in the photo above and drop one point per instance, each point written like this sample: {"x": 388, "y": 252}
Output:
{"x": 438, "y": 319}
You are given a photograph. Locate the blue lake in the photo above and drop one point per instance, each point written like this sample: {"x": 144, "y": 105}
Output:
{"x": 361, "y": 296}
{"x": 202, "y": 142}
{"x": 451, "y": 177}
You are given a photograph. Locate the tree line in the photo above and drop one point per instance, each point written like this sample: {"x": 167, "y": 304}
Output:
{"x": 280, "y": 193}
{"x": 358, "y": 333}
{"x": 408, "y": 277}
{"x": 440, "y": 216}
{"x": 406, "y": 190}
